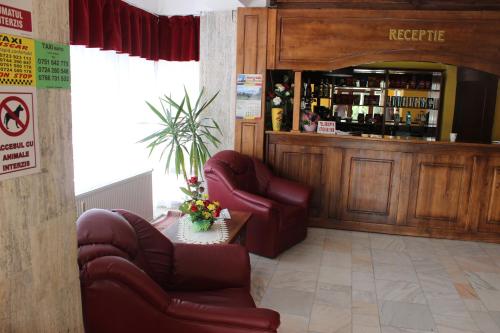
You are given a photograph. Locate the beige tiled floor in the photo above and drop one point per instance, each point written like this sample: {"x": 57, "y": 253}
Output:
{"x": 342, "y": 282}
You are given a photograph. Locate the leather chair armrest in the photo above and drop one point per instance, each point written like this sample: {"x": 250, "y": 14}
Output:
{"x": 253, "y": 199}
{"x": 127, "y": 274}
{"x": 209, "y": 267}
{"x": 289, "y": 192}
{"x": 260, "y": 320}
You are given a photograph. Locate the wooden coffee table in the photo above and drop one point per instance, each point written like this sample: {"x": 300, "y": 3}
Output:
{"x": 236, "y": 227}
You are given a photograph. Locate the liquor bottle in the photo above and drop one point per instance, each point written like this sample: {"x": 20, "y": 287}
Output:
{"x": 408, "y": 118}
{"x": 397, "y": 117}
{"x": 308, "y": 89}
{"x": 320, "y": 90}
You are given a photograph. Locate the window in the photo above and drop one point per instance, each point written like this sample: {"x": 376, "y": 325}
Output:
{"x": 110, "y": 115}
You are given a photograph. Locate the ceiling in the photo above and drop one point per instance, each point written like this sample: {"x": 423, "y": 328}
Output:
{"x": 187, "y": 7}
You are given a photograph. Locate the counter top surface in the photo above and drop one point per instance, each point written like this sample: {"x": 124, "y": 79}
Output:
{"x": 388, "y": 139}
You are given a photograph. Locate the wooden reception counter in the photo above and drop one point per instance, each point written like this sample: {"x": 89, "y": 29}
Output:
{"x": 395, "y": 186}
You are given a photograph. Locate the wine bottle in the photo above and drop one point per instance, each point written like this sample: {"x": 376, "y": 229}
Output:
{"x": 408, "y": 118}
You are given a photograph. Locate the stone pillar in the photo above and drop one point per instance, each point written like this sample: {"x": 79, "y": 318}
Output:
{"x": 218, "y": 69}
{"x": 39, "y": 286}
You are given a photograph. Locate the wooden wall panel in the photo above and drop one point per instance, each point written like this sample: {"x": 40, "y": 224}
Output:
{"x": 440, "y": 189}
{"x": 370, "y": 186}
{"x": 390, "y": 4}
{"x": 336, "y": 38}
{"x": 369, "y": 189}
{"x": 247, "y": 137}
{"x": 490, "y": 195}
{"x": 307, "y": 165}
{"x": 493, "y": 216}
{"x": 251, "y": 59}
{"x": 415, "y": 188}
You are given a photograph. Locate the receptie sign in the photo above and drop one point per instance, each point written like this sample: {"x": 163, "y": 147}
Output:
{"x": 15, "y": 17}
{"x": 19, "y": 146}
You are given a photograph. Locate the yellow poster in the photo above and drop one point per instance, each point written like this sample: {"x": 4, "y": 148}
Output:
{"x": 17, "y": 61}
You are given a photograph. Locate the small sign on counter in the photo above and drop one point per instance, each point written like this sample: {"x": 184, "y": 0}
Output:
{"x": 326, "y": 127}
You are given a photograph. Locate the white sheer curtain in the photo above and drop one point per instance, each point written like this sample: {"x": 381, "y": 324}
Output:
{"x": 110, "y": 115}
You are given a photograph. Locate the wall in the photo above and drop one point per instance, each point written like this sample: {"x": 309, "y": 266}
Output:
{"x": 218, "y": 69}
{"x": 39, "y": 286}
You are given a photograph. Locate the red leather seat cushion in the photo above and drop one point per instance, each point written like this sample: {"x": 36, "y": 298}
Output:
{"x": 236, "y": 298}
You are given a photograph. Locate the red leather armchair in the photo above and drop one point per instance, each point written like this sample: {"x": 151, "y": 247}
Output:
{"x": 133, "y": 279}
{"x": 278, "y": 206}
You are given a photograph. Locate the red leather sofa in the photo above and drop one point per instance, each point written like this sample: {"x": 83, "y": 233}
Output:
{"x": 278, "y": 206}
{"x": 133, "y": 279}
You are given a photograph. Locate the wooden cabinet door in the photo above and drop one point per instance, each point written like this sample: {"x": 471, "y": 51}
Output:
{"x": 370, "y": 186}
{"x": 489, "y": 215}
{"x": 251, "y": 59}
{"x": 306, "y": 165}
{"x": 439, "y": 191}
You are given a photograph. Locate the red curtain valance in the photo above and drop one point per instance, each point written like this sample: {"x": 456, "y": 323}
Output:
{"x": 116, "y": 25}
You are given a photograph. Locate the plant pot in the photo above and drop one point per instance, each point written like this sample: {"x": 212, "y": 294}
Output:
{"x": 277, "y": 118}
{"x": 201, "y": 225}
{"x": 310, "y": 128}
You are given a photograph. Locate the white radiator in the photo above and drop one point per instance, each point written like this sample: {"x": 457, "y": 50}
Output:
{"x": 134, "y": 194}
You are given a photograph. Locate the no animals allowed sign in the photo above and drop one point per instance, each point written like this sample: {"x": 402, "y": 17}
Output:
{"x": 19, "y": 152}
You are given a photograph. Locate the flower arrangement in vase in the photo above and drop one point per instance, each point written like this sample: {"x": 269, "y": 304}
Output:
{"x": 309, "y": 121}
{"x": 201, "y": 211}
{"x": 279, "y": 96}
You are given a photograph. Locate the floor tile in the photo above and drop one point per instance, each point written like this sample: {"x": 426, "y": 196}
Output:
{"x": 336, "y": 276}
{"x": 387, "y": 242}
{"x": 464, "y": 322}
{"x": 296, "y": 280}
{"x": 364, "y": 319}
{"x": 495, "y": 315}
{"x": 336, "y": 259}
{"x": 343, "y": 245}
{"x": 395, "y": 273}
{"x": 446, "y": 305}
{"x": 391, "y": 257}
{"x": 485, "y": 323}
{"x": 406, "y": 315}
{"x": 293, "y": 324}
{"x": 363, "y": 281}
{"x": 329, "y": 319}
{"x": 389, "y": 329}
{"x": 354, "y": 282}
{"x": 335, "y": 295}
{"x": 290, "y": 301}
{"x": 474, "y": 305}
{"x": 401, "y": 291}
{"x": 365, "y": 329}
{"x": 477, "y": 264}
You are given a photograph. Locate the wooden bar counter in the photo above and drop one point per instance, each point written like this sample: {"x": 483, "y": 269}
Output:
{"x": 395, "y": 186}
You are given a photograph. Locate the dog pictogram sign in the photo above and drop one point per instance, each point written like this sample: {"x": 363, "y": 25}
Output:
{"x": 19, "y": 151}
{"x": 12, "y": 110}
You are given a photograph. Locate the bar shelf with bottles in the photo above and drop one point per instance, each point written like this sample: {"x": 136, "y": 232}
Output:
{"x": 379, "y": 102}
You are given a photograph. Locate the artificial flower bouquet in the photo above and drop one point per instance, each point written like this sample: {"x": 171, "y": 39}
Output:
{"x": 202, "y": 211}
{"x": 280, "y": 94}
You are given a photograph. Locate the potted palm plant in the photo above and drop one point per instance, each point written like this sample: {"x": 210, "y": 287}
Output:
{"x": 183, "y": 137}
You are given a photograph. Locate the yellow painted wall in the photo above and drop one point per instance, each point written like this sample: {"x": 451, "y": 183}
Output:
{"x": 495, "y": 135}
{"x": 449, "y": 94}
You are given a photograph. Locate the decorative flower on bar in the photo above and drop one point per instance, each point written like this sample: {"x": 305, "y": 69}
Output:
{"x": 280, "y": 93}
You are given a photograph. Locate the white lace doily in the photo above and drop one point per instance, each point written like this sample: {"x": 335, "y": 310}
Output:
{"x": 217, "y": 234}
